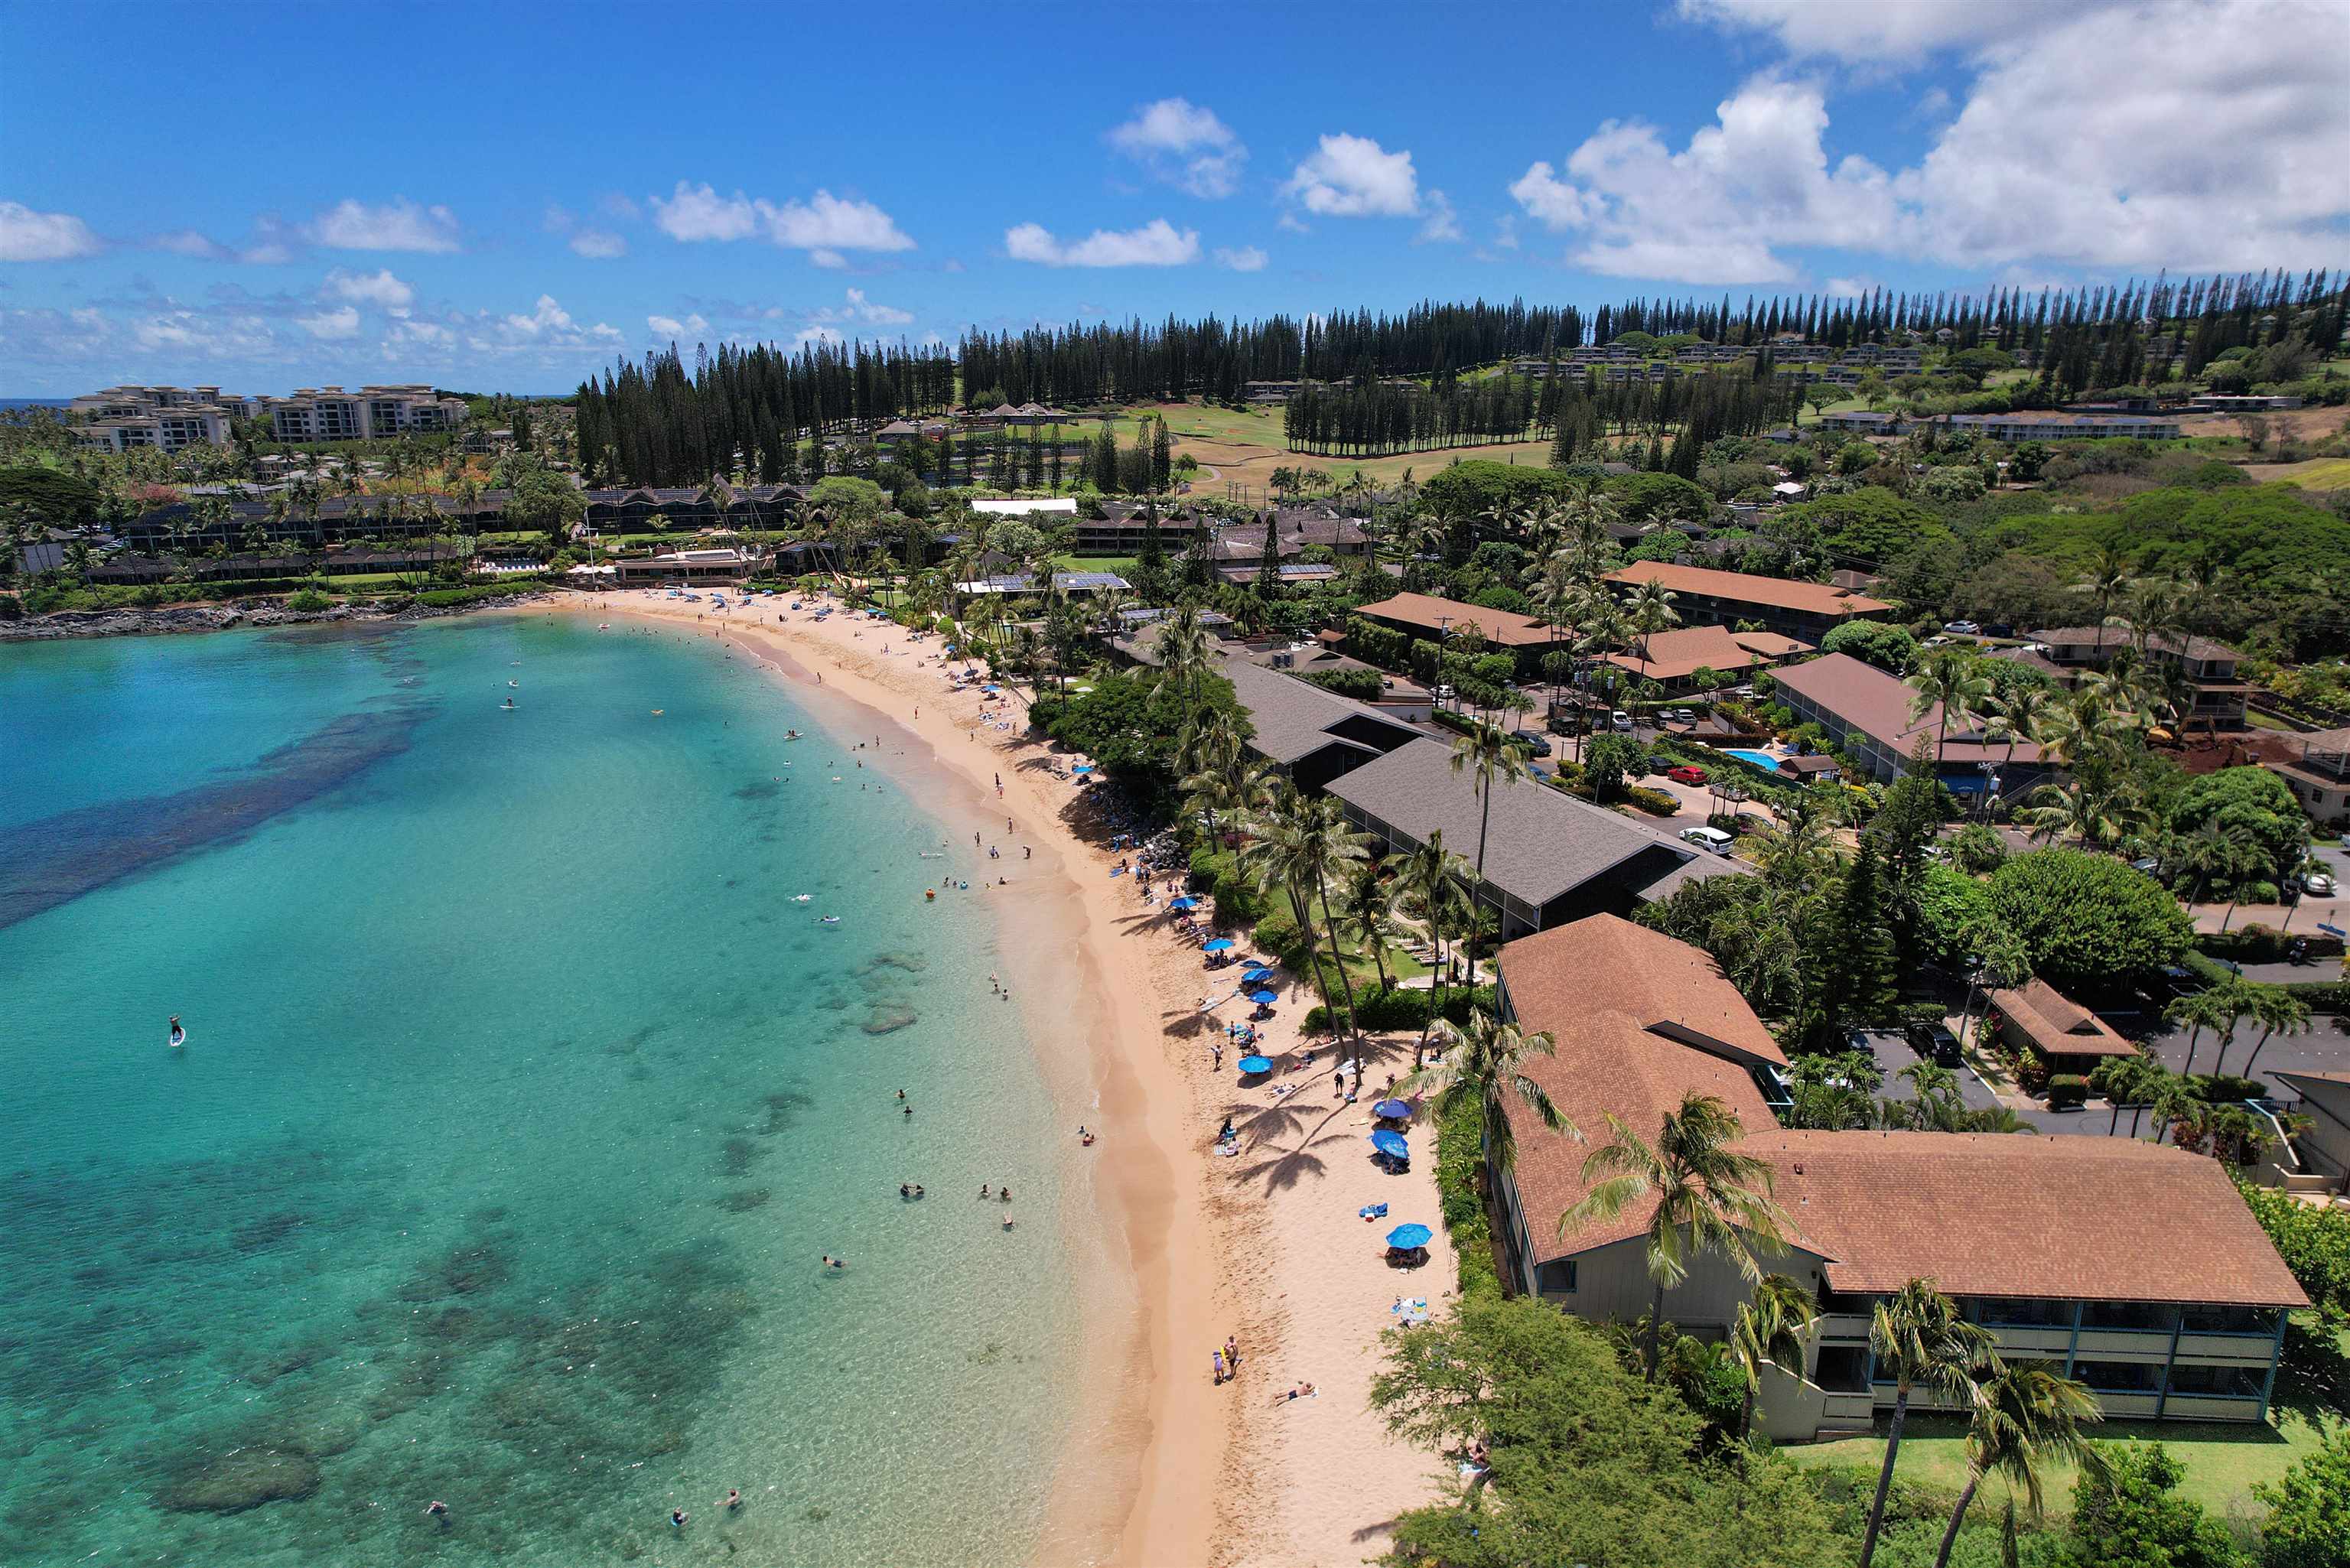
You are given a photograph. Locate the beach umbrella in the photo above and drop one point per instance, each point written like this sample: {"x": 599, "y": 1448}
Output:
{"x": 1259, "y": 973}
{"x": 1185, "y": 902}
{"x": 1393, "y": 1110}
{"x": 1222, "y": 944}
{"x": 1390, "y": 1144}
{"x": 1410, "y": 1236}
{"x": 1255, "y": 1064}
{"x": 1263, "y": 998}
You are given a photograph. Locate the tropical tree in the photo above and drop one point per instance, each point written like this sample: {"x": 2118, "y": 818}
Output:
{"x": 1651, "y": 610}
{"x": 1768, "y": 1330}
{"x": 1430, "y": 886}
{"x": 1486, "y": 1059}
{"x": 2109, "y": 575}
{"x": 1708, "y": 1197}
{"x": 1490, "y": 758}
{"x": 1364, "y": 914}
{"x": 1919, "y": 1332}
{"x": 1303, "y": 846}
{"x": 1946, "y": 684}
{"x": 2215, "y": 1007}
{"x": 2024, "y": 1417}
{"x": 2278, "y": 1011}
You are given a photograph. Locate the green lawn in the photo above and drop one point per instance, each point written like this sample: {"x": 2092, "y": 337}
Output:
{"x": 1121, "y": 565}
{"x": 2221, "y": 1460}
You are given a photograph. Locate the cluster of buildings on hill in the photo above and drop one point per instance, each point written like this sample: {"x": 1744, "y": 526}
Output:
{"x": 168, "y": 418}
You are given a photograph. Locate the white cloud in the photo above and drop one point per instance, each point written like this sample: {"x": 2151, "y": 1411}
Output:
{"x": 1712, "y": 213}
{"x": 548, "y": 331}
{"x": 825, "y": 223}
{"x": 879, "y": 314}
{"x": 1247, "y": 258}
{"x": 26, "y": 235}
{"x": 1847, "y": 288}
{"x": 1505, "y": 233}
{"x": 557, "y": 219}
{"x": 693, "y": 327}
{"x": 1155, "y": 243}
{"x": 599, "y": 244}
{"x": 816, "y": 335}
{"x": 615, "y": 204}
{"x": 379, "y": 289}
{"x": 398, "y": 225}
{"x": 331, "y": 325}
{"x": 1355, "y": 177}
{"x": 1184, "y": 144}
{"x": 191, "y": 243}
{"x": 824, "y": 256}
{"x": 418, "y": 332}
{"x": 1290, "y": 222}
{"x": 1443, "y": 225}
{"x": 2213, "y": 142}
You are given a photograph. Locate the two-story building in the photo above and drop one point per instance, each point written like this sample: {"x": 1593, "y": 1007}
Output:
{"x": 2210, "y": 667}
{"x": 2134, "y": 1268}
{"x": 1707, "y": 595}
{"x": 1867, "y": 712}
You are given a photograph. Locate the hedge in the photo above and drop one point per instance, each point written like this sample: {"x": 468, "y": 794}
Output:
{"x": 1655, "y": 802}
{"x": 452, "y": 599}
{"x": 1458, "y": 1137}
{"x": 2256, "y": 944}
{"x": 1397, "y": 1009}
{"x": 1363, "y": 684}
{"x": 2067, "y": 1091}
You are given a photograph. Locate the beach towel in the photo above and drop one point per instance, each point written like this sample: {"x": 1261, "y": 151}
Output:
{"x": 1373, "y": 1211}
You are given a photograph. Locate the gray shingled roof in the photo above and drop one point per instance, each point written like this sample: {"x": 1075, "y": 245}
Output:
{"x": 1294, "y": 718}
{"x": 1541, "y": 843}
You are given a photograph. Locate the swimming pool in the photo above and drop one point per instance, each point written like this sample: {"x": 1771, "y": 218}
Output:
{"x": 1762, "y": 760}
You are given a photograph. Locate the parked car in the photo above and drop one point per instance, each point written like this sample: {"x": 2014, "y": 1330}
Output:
{"x": 1684, "y": 716}
{"x": 1687, "y": 774}
{"x": 1963, "y": 628}
{"x": 1535, "y": 745}
{"x": 1621, "y": 720}
{"x": 1936, "y": 1043}
{"x": 1711, "y": 838}
{"x": 2318, "y": 885}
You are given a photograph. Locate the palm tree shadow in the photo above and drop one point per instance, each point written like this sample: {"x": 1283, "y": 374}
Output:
{"x": 1288, "y": 1168}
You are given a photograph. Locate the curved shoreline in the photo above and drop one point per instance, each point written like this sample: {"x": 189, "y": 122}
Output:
{"x": 1146, "y": 1453}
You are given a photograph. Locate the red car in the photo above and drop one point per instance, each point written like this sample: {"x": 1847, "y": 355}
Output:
{"x": 1686, "y": 774}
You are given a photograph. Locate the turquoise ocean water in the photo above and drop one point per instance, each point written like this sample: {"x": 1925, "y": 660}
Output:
{"x": 518, "y": 1103}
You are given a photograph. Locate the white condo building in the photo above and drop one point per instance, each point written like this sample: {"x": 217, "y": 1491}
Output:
{"x": 171, "y": 417}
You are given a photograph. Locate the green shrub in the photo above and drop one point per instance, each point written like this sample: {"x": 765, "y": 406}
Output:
{"x": 309, "y": 601}
{"x": 1360, "y": 684}
{"x": 2257, "y": 943}
{"x": 1458, "y": 1152}
{"x": 1655, "y": 802}
{"x": 1400, "y": 1010}
{"x": 2067, "y": 1091}
{"x": 2314, "y": 1243}
{"x": 1978, "y": 849}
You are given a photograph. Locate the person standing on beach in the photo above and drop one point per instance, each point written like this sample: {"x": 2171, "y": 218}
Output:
{"x": 1216, "y": 1358}
{"x": 1231, "y": 1356}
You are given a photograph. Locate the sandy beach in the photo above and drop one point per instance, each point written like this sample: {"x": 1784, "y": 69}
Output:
{"x": 1266, "y": 1247}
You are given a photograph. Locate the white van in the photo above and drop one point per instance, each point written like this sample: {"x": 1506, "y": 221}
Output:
{"x": 1711, "y": 838}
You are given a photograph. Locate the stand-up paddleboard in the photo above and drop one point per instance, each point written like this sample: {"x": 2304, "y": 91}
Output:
{"x": 179, "y": 1037}
{"x": 828, "y": 920}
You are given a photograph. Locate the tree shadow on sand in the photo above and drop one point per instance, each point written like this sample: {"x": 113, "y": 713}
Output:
{"x": 1287, "y": 1168}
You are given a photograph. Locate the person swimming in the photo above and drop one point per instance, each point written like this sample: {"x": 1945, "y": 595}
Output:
{"x": 178, "y": 1036}
{"x": 832, "y": 1262}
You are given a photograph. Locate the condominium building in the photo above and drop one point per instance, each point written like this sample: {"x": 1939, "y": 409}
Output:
{"x": 169, "y": 417}
{"x": 1706, "y": 595}
{"x": 372, "y": 413}
{"x": 2136, "y": 1269}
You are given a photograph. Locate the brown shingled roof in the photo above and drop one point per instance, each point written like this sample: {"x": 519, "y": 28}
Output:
{"x": 1434, "y": 616}
{"x": 2005, "y": 1214}
{"x": 2056, "y": 1024}
{"x": 1781, "y": 593}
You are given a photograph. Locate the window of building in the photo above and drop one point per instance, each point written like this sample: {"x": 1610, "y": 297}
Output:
{"x": 2224, "y": 1382}
{"x": 2120, "y": 1376}
{"x": 1556, "y": 1279}
{"x": 2205, "y": 1319}
{"x": 1843, "y": 1369}
{"x": 2153, "y": 1317}
{"x": 2022, "y": 1311}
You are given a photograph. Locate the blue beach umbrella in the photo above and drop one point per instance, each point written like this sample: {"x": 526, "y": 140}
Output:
{"x": 1391, "y": 1144}
{"x": 1220, "y": 945}
{"x": 1185, "y": 902}
{"x": 1263, "y": 998}
{"x": 1259, "y": 973}
{"x": 1393, "y": 1110}
{"x": 1255, "y": 1064}
{"x": 1082, "y": 768}
{"x": 1410, "y": 1236}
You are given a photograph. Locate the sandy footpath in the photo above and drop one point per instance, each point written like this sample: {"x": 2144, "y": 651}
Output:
{"x": 1265, "y": 1247}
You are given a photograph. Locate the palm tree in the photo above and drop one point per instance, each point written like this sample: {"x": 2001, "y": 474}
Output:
{"x": 2278, "y": 1011}
{"x": 1363, "y": 914}
{"x": 2108, "y": 576}
{"x": 1919, "y": 1331}
{"x": 1428, "y": 886}
{"x": 1709, "y": 1196}
{"x": 1769, "y": 1329}
{"x": 1488, "y": 757}
{"x": 1947, "y": 685}
{"x": 2023, "y": 713}
{"x": 1651, "y": 611}
{"x": 1487, "y": 1059}
{"x": 2219, "y": 849}
{"x": 2214, "y": 1007}
{"x": 1184, "y": 653}
{"x": 2024, "y": 1417}
{"x": 1301, "y": 846}
{"x": 2175, "y": 1104}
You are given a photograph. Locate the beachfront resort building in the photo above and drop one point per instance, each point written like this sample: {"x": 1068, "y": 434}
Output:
{"x": 1704, "y": 595}
{"x": 1314, "y": 735}
{"x": 2134, "y": 1268}
{"x": 2067, "y": 652}
{"x": 372, "y": 413}
{"x": 165, "y": 419}
{"x": 1865, "y": 712}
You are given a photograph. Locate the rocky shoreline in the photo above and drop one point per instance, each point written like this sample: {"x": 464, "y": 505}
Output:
{"x": 165, "y": 619}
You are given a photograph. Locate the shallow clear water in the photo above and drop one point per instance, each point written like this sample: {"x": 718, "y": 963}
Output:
{"x": 518, "y": 1103}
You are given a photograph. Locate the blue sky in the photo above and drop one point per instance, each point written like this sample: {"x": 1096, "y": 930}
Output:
{"x": 498, "y": 197}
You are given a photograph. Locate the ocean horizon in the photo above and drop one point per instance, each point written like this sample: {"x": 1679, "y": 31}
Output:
{"x": 519, "y": 1101}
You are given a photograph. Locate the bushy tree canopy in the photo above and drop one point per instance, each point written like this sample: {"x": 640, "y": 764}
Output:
{"x": 2254, "y": 800}
{"x": 1871, "y": 523}
{"x": 1477, "y": 487}
{"x": 1889, "y": 647}
{"x": 2087, "y": 921}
